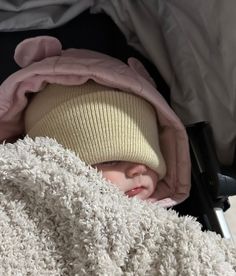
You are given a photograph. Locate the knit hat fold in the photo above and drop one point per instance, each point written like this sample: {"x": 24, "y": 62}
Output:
{"x": 98, "y": 123}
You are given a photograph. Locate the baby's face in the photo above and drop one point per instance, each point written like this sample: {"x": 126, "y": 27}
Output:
{"x": 132, "y": 178}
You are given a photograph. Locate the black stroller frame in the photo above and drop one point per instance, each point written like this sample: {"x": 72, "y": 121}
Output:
{"x": 211, "y": 184}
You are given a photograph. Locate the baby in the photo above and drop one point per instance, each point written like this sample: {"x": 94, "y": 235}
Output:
{"x": 106, "y": 111}
{"x": 111, "y": 130}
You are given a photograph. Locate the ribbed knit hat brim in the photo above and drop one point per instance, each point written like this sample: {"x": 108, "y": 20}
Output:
{"x": 98, "y": 123}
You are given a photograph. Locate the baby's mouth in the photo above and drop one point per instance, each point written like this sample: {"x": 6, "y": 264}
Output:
{"x": 134, "y": 191}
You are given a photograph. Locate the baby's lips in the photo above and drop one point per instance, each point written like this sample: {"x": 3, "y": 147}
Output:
{"x": 134, "y": 191}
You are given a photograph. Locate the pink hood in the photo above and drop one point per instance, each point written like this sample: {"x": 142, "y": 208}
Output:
{"x": 43, "y": 61}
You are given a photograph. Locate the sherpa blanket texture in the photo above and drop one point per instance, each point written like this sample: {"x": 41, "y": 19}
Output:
{"x": 59, "y": 217}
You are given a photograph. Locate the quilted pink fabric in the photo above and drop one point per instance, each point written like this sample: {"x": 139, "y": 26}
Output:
{"x": 43, "y": 61}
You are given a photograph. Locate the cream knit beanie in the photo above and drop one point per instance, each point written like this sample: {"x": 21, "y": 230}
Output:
{"x": 98, "y": 123}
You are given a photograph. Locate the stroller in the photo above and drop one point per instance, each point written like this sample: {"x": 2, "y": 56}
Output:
{"x": 212, "y": 183}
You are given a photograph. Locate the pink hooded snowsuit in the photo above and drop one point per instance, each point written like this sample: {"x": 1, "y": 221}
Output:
{"x": 43, "y": 61}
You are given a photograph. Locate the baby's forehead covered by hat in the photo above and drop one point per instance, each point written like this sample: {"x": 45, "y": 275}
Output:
{"x": 97, "y": 122}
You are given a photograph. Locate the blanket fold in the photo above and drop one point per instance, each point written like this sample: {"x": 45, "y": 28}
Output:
{"x": 60, "y": 217}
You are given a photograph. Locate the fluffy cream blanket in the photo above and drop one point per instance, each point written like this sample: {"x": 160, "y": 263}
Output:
{"x": 59, "y": 217}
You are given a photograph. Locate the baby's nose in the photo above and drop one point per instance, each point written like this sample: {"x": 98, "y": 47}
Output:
{"x": 135, "y": 169}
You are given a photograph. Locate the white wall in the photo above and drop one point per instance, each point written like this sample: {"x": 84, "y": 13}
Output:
{"x": 230, "y": 216}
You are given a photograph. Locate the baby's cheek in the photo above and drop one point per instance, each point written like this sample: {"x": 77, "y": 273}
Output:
{"x": 109, "y": 176}
{"x": 115, "y": 179}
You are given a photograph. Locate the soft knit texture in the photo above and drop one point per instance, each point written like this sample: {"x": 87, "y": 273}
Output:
{"x": 97, "y": 122}
{"x": 59, "y": 217}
